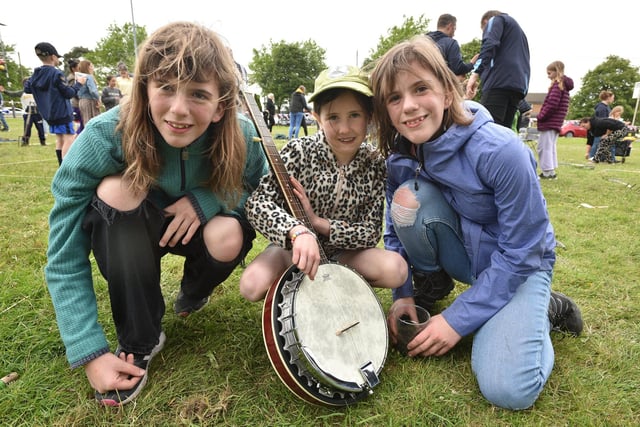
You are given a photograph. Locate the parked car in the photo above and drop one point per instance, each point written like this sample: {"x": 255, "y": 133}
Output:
{"x": 8, "y": 111}
{"x": 572, "y": 128}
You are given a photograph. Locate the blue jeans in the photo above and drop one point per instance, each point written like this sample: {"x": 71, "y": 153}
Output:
{"x": 512, "y": 354}
{"x": 594, "y": 146}
{"x": 294, "y": 124}
{"x": 3, "y": 121}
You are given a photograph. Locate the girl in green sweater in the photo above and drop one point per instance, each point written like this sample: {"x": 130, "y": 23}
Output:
{"x": 167, "y": 171}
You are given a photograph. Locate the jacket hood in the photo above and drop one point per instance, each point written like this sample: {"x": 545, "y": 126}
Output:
{"x": 457, "y": 136}
{"x": 41, "y": 78}
{"x": 568, "y": 83}
{"x": 437, "y": 35}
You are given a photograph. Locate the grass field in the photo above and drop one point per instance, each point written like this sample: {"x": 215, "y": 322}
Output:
{"x": 214, "y": 369}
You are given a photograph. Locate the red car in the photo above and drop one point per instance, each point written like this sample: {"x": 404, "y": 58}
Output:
{"x": 572, "y": 128}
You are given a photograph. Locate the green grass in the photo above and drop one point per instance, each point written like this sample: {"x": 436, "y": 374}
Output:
{"x": 214, "y": 369}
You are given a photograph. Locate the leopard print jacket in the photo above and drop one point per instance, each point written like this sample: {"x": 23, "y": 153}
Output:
{"x": 351, "y": 197}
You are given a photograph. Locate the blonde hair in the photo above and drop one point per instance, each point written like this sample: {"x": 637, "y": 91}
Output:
{"x": 83, "y": 66}
{"x": 616, "y": 112}
{"x": 179, "y": 53}
{"x": 419, "y": 50}
{"x": 558, "y": 67}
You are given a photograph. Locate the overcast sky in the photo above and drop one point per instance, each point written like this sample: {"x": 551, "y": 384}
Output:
{"x": 577, "y": 34}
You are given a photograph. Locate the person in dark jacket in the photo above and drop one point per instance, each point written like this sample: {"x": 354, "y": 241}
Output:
{"x": 601, "y": 110}
{"x": 52, "y": 94}
{"x": 551, "y": 117}
{"x": 271, "y": 111}
{"x": 450, "y": 48}
{"x": 297, "y": 107}
{"x": 503, "y": 67}
{"x": 608, "y": 131}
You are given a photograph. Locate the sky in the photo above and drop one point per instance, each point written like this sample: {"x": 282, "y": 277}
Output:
{"x": 349, "y": 30}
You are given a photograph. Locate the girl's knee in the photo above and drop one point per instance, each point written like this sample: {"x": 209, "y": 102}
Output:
{"x": 224, "y": 238}
{"x": 501, "y": 389}
{"x": 115, "y": 192}
{"x": 404, "y": 207}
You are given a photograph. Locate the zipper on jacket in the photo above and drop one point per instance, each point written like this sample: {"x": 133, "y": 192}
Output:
{"x": 415, "y": 182}
{"x": 339, "y": 188}
{"x": 184, "y": 156}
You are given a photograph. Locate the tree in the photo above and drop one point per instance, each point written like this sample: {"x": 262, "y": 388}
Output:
{"x": 409, "y": 28}
{"x": 282, "y": 67}
{"x": 116, "y": 47}
{"x": 615, "y": 74}
{"x": 11, "y": 73}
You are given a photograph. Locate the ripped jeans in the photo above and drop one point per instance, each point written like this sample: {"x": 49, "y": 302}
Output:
{"x": 429, "y": 230}
{"x": 512, "y": 354}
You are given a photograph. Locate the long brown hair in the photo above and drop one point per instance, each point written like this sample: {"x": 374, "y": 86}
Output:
{"x": 181, "y": 52}
{"x": 423, "y": 51}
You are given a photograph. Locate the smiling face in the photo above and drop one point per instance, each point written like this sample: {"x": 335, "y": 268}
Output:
{"x": 416, "y": 104}
{"x": 344, "y": 122}
{"x": 183, "y": 112}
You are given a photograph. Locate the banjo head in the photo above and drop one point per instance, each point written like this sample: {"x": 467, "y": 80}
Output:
{"x": 326, "y": 338}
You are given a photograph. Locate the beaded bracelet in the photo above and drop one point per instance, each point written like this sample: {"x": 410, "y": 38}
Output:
{"x": 300, "y": 233}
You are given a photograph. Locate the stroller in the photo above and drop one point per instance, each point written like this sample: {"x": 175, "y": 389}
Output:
{"x": 617, "y": 143}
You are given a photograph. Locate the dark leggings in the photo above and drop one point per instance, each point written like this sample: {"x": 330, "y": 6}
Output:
{"x": 126, "y": 249}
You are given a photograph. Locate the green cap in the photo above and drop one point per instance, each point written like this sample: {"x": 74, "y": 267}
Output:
{"x": 344, "y": 76}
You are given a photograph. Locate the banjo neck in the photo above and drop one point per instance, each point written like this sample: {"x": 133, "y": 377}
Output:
{"x": 277, "y": 165}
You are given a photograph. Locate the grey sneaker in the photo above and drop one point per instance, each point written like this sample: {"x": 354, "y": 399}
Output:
{"x": 186, "y": 305}
{"x": 121, "y": 397}
{"x": 431, "y": 287}
{"x": 564, "y": 314}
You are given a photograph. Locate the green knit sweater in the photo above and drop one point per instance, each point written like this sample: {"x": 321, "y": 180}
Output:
{"x": 97, "y": 153}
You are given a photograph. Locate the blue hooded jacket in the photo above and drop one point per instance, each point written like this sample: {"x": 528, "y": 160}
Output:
{"x": 488, "y": 176}
{"x": 52, "y": 94}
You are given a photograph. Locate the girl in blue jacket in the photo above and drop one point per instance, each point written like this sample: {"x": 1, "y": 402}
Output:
{"x": 167, "y": 171}
{"x": 464, "y": 201}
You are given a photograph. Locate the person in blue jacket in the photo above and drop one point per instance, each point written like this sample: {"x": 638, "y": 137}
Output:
{"x": 464, "y": 201}
{"x": 503, "y": 67}
{"x": 52, "y": 94}
{"x": 450, "y": 48}
{"x": 166, "y": 171}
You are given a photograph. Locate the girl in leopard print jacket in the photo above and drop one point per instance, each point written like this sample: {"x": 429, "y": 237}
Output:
{"x": 339, "y": 179}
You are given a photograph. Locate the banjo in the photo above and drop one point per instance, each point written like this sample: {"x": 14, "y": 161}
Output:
{"x": 326, "y": 338}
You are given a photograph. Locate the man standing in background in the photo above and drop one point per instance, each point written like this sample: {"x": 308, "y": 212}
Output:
{"x": 449, "y": 47}
{"x": 503, "y": 67}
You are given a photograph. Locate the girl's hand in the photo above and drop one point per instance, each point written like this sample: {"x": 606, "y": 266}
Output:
{"x": 394, "y": 311}
{"x": 436, "y": 339}
{"x": 109, "y": 372}
{"x": 301, "y": 194}
{"x": 184, "y": 224}
{"x": 305, "y": 253}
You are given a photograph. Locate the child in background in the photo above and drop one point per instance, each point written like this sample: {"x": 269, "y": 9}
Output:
{"x": 31, "y": 116}
{"x": 167, "y": 172}
{"x": 88, "y": 95}
{"x": 339, "y": 179}
{"x": 111, "y": 95}
{"x": 551, "y": 118}
{"x": 52, "y": 94}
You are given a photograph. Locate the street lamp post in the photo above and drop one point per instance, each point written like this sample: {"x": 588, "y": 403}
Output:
{"x": 133, "y": 22}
